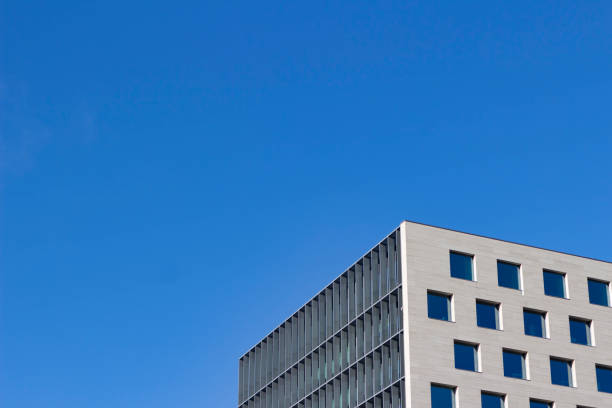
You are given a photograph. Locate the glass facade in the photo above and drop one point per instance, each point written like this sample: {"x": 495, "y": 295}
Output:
{"x": 349, "y": 334}
{"x": 554, "y": 284}
{"x": 535, "y": 323}
{"x": 508, "y": 275}
{"x": 461, "y": 266}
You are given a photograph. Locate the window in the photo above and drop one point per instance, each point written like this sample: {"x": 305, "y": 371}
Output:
{"x": 554, "y": 284}
{"x": 466, "y": 356}
{"x": 514, "y": 364}
{"x": 492, "y": 400}
{"x": 487, "y": 314}
{"x": 533, "y": 403}
{"x": 535, "y": 323}
{"x": 599, "y": 292}
{"x": 439, "y": 306}
{"x": 604, "y": 378}
{"x": 461, "y": 266}
{"x": 442, "y": 396}
{"x": 508, "y": 275}
{"x": 561, "y": 372}
{"x": 580, "y": 331}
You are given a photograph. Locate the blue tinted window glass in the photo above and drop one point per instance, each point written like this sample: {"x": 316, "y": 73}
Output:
{"x": 461, "y": 266}
{"x": 580, "y": 332}
{"x": 491, "y": 400}
{"x": 508, "y": 275}
{"x": 598, "y": 293}
{"x": 560, "y": 372}
{"x": 466, "y": 357}
{"x": 438, "y": 306}
{"x": 442, "y": 397}
{"x": 534, "y": 323}
{"x": 539, "y": 404}
{"x": 487, "y": 315}
{"x": 514, "y": 364}
{"x": 554, "y": 284}
{"x": 604, "y": 379}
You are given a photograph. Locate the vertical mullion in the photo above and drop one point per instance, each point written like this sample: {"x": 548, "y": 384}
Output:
{"x": 351, "y": 294}
{"x": 322, "y": 318}
{"x": 241, "y": 380}
{"x": 308, "y": 329}
{"x": 376, "y": 326}
{"x": 384, "y": 314}
{"x": 375, "y": 271}
{"x": 343, "y": 300}
{"x": 367, "y": 282}
{"x": 384, "y": 271}
{"x": 359, "y": 288}
{"x": 336, "y": 307}
{"x": 295, "y": 339}
{"x": 282, "y": 362}
{"x": 392, "y": 268}
{"x": 329, "y": 317}
{"x": 301, "y": 336}
{"x": 315, "y": 322}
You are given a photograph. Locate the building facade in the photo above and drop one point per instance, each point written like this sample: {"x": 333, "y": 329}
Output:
{"x": 437, "y": 318}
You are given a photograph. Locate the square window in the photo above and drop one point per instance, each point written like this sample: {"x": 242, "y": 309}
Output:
{"x": 604, "y": 378}
{"x": 540, "y": 404}
{"x": 508, "y": 275}
{"x": 466, "y": 356}
{"x": 438, "y": 306}
{"x": 514, "y": 364}
{"x": 535, "y": 323}
{"x": 561, "y": 372}
{"x": 554, "y": 284}
{"x": 442, "y": 396}
{"x": 487, "y": 314}
{"x": 580, "y": 331}
{"x": 599, "y": 292}
{"x": 492, "y": 400}
{"x": 461, "y": 266}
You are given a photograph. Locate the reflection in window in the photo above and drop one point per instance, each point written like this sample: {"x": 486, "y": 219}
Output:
{"x": 490, "y": 400}
{"x": 554, "y": 284}
{"x": 514, "y": 364}
{"x": 442, "y": 396}
{"x": 508, "y": 275}
{"x": 561, "y": 372}
{"x": 540, "y": 404}
{"x": 604, "y": 378}
{"x": 580, "y": 331}
{"x": 461, "y": 266}
{"x": 438, "y": 306}
{"x": 599, "y": 292}
{"x": 535, "y": 323}
{"x": 466, "y": 356}
{"x": 487, "y": 314}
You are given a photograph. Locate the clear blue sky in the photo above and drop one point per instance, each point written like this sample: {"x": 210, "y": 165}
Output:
{"x": 176, "y": 178}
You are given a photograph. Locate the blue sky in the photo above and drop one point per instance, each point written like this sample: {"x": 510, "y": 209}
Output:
{"x": 177, "y": 178}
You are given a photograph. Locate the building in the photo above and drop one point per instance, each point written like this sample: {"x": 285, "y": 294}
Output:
{"x": 432, "y": 317}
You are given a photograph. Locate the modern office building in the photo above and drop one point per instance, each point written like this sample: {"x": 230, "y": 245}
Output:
{"x": 437, "y": 318}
